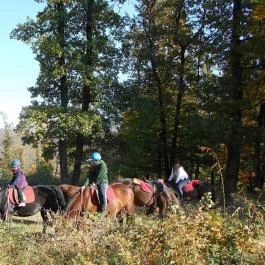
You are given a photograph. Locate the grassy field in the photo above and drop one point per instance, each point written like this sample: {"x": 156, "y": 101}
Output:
{"x": 192, "y": 235}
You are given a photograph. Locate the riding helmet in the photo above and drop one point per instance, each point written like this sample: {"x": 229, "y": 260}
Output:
{"x": 15, "y": 163}
{"x": 95, "y": 156}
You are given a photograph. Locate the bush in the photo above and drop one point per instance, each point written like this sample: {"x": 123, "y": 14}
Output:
{"x": 190, "y": 236}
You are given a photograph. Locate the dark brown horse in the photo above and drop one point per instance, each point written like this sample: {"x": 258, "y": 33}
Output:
{"x": 44, "y": 199}
{"x": 195, "y": 189}
{"x": 85, "y": 201}
{"x": 158, "y": 195}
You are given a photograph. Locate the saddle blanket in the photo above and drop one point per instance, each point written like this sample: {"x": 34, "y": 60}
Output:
{"x": 28, "y": 193}
{"x": 145, "y": 186}
{"x": 191, "y": 185}
{"x": 94, "y": 195}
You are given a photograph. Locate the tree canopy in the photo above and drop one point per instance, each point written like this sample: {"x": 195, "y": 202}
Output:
{"x": 147, "y": 87}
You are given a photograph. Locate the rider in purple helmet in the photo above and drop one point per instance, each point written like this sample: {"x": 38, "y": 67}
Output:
{"x": 18, "y": 180}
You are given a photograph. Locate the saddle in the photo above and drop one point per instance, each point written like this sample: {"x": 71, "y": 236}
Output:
{"x": 145, "y": 186}
{"x": 28, "y": 194}
{"x": 94, "y": 195}
{"x": 189, "y": 187}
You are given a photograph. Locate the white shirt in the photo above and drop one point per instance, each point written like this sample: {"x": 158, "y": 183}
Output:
{"x": 178, "y": 173}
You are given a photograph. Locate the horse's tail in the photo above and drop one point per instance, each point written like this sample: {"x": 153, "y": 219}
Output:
{"x": 3, "y": 203}
{"x": 59, "y": 197}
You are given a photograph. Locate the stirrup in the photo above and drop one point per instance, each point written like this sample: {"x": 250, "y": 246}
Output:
{"x": 22, "y": 204}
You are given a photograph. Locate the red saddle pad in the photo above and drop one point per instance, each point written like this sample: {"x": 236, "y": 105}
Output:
{"x": 145, "y": 186}
{"x": 28, "y": 191}
{"x": 110, "y": 195}
{"x": 191, "y": 185}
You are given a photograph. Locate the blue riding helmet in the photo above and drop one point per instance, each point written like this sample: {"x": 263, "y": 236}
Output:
{"x": 95, "y": 156}
{"x": 15, "y": 163}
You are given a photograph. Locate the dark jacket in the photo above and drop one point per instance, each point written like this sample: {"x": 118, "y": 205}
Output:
{"x": 98, "y": 174}
{"x": 19, "y": 180}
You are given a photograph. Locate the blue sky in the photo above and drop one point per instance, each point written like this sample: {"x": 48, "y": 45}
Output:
{"x": 18, "y": 69}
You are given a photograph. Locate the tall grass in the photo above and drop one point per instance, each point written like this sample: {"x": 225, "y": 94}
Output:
{"x": 188, "y": 236}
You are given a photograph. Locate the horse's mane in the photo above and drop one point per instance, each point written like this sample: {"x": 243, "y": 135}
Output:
{"x": 59, "y": 197}
{"x": 71, "y": 201}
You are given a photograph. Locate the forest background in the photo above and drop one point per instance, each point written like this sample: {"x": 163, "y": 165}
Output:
{"x": 172, "y": 79}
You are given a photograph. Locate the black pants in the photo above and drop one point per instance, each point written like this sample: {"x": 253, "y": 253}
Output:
{"x": 102, "y": 194}
{"x": 21, "y": 196}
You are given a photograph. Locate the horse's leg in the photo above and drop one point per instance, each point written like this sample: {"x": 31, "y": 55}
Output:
{"x": 6, "y": 217}
{"x": 130, "y": 212}
{"x": 152, "y": 205}
{"x": 113, "y": 209}
{"x": 44, "y": 219}
{"x": 130, "y": 209}
{"x": 162, "y": 204}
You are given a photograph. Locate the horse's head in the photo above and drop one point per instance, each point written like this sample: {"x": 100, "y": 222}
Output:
{"x": 75, "y": 203}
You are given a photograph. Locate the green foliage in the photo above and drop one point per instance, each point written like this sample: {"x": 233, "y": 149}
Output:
{"x": 124, "y": 120}
{"x": 206, "y": 202}
{"x": 138, "y": 139}
{"x": 43, "y": 174}
{"x": 190, "y": 236}
{"x": 45, "y": 126}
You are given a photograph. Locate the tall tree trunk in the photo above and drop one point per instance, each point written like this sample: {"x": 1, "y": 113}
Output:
{"x": 159, "y": 157}
{"x": 234, "y": 145}
{"x": 86, "y": 98}
{"x": 178, "y": 104}
{"x": 160, "y": 91}
{"x": 63, "y": 90}
{"x": 259, "y": 148}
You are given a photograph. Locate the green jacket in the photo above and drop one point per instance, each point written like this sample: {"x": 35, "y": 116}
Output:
{"x": 98, "y": 174}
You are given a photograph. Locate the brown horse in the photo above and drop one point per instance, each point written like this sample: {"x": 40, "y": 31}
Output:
{"x": 84, "y": 201}
{"x": 158, "y": 195}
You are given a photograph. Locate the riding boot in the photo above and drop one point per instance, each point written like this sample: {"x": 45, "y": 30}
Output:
{"x": 21, "y": 198}
{"x": 103, "y": 207}
{"x": 102, "y": 188}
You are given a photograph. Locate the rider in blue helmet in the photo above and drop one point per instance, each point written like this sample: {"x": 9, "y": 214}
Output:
{"x": 18, "y": 180}
{"x": 96, "y": 156}
{"x": 98, "y": 174}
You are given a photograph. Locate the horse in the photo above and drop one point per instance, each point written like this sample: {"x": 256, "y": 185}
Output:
{"x": 120, "y": 197}
{"x": 195, "y": 189}
{"x": 40, "y": 198}
{"x": 151, "y": 194}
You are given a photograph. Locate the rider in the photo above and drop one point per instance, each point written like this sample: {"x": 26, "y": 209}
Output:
{"x": 98, "y": 174}
{"x": 180, "y": 177}
{"x": 18, "y": 180}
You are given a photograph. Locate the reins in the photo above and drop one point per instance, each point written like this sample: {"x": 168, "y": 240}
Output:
{"x": 81, "y": 202}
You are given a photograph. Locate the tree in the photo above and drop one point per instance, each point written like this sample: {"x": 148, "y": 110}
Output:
{"x": 75, "y": 44}
{"x": 7, "y": 150}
